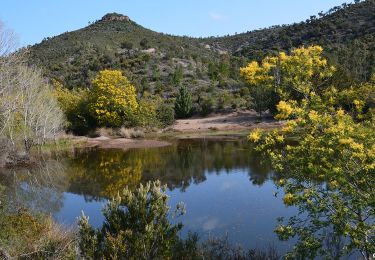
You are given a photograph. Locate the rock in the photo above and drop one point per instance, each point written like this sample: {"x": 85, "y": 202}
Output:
{"x": 149, "y": 51}
{"x": 115, "y": 17}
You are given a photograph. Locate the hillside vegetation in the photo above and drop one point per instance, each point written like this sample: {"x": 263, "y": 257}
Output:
{"x": 158, "y": 62}
{"x": 347, "y": 33}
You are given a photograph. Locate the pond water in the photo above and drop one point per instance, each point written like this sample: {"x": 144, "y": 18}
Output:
{"x": 227, "y": 188}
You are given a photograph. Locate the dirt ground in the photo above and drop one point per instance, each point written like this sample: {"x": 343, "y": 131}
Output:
{"x": 240, "y": 120}
{"x": 233, "y": 122}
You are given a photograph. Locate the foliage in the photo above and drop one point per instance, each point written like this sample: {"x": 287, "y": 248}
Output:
{"x": 221, "y": 248}
{"x": 74, "y": 104}
{"x": 183, "y": 103}
{"x": 73, "y": 58}
{"x": 25, "y": 235}
{"x": 206, "y": 105}
{"x": 326, "y": 162}
{"x": 136, "y": 226}
{"x": 338, "y": 30}
{"x": 29, "y": 114}
{"x": 113, "y": 99}
{"x": 177, "y": 76}
{"x": 292, "y": 76}
{"x": 165, "y": 115}
{"x": 112, "y": 102}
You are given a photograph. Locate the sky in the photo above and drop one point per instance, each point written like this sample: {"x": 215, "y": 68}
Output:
{"x": 33, "y": 20}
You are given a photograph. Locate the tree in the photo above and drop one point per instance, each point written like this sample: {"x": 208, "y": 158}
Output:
{"x": 38, "y": 116}
{"x": 293, "y": 76}
{"x": 144, "y": 43}
{"x": 262, "y": 98}
{"x": 113, "y": 99}
{"x": 183, "y": 103}
{"x": 177, "y": 76}
{"x": 74, "y": 103}
{"x": 165, "y": 115}
{"x": 325, "y": 159}
{"x": 126, "y": 45}
{"x": 7, "y": 41}
{"x": 29, "y": 113}
{"x": 136, "y": 226}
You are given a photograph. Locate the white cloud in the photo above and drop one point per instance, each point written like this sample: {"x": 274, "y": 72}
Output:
{"x": 211, "y": 224}
{"x": 217, "y": 16}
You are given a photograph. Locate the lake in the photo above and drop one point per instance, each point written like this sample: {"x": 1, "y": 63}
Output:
{"x": 227, "y": 188}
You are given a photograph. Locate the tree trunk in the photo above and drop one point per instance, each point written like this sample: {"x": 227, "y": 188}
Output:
{"x": 4, "y": 255}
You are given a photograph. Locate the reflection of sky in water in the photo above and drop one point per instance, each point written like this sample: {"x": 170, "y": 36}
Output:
{"x": 223, "y": 185}
{"x": 223, "y": 204}
{"x": 230, "y": 204}
{"x": 73, "y": 207}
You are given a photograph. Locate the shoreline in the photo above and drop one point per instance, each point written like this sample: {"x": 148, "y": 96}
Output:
{"x": 236, "y": 125}
{"x": 119, "y": 143}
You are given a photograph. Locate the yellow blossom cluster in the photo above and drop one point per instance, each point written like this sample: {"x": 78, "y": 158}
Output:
{"x": 255, "y": 135}
{"x": 114, "y": 99}
{"x": 284, "y": 109}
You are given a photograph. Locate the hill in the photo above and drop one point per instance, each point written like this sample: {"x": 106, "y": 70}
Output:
{"x": 346, "y": 32}
{"x": 157, "y": 62}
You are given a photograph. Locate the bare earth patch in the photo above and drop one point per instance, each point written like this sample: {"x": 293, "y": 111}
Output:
{"x": 239, "y": 120}
{"x": 233, "y": 122}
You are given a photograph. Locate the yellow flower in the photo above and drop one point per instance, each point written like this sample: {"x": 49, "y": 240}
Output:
{"x": 340, "y": 113}
{"x": 285, "y": 110}
{"x": 288, "y": 199}
{"x": 280, "y": 138}
{"x": 313, "y": 115}
{"x": 255, "y": 135}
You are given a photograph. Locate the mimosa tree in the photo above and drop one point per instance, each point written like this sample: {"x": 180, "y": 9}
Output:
{"x": 113, "y": 99}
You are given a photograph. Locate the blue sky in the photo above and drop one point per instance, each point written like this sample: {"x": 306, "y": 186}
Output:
{"x": 33, "y": 20}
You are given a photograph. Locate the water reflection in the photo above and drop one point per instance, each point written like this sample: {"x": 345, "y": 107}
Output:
{"x": 39, "y": 188}
{"x": 98, "y": 174}
{"x": 224, "y": 184}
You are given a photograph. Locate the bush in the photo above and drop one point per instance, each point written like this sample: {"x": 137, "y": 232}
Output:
{"x": 136, "y": 227}
{"x": 146, "y": 113}
{"x": 74, "y": 104}
{"x": 183, "y": 104}
{"x": 206, "y": 106}
{"x": 126, "y": 45}
{"x": 113, "y": 99}
{"x": 165, "y": 115}
{"x": 27, "y": 236}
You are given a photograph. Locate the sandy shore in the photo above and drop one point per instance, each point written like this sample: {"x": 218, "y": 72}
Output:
{"x": 235, "y": 121}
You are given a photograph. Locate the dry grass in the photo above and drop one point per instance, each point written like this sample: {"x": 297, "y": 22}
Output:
{"x": 31, "y": 237}
{"x": 106, "y": 132}
{"x": 131, "y": 133}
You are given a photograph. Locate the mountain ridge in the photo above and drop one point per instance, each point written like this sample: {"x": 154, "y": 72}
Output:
{"x": 151, "y": 59}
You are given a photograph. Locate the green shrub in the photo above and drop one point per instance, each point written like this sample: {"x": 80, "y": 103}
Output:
{"x": 126, "y": 45}
{"x": 136, "y": 227}
{"x": 165, "y": 115}
{"x": 207, "y": 106}
{"x": 35, "y": 236}
{"x": 183, "y": 104}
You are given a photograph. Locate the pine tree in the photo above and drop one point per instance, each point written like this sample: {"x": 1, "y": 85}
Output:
{"x": 183, "y": 103}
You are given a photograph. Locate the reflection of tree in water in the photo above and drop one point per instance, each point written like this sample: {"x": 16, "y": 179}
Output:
{"x": 103, "y": 173}
{"x": 100, "y": 173}
{"x": 259, "y": 167}
{"x": 39, "y": 188}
